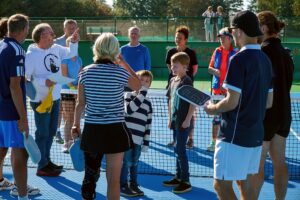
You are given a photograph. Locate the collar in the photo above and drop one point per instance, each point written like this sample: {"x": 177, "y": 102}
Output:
{"x": 251, "y": 46}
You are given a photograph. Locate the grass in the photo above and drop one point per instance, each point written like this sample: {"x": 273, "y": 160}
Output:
{"x": 205, "y": 85}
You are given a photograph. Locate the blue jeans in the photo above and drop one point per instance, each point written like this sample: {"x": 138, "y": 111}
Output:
{"x": 46, "y": 125}
{"x": 182, "y": 164}
{"x": 130, "y": 162}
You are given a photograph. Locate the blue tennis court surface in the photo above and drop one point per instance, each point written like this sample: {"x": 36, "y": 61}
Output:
{"x": 67, "y": 187}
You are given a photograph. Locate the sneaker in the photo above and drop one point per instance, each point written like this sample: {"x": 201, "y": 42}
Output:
{"x": 171, "y": 144}
{"x": 55, "y": 166}
{"x": 172, "y": 182}
{"x": 135, "y": 188}
{"x": 58, "y": 138}
{"x": 182, "y": 188}
{"x": 211, "y": 146}
{"x": 190, "y": 143}
{"x": 48, "y": 171}
{"x": 30, "y": 191}
{"x": 6, "y": 184}
{"x": 125, "y": 191}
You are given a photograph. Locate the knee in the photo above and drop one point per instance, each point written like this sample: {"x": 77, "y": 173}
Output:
{"x": 217, "y": 186}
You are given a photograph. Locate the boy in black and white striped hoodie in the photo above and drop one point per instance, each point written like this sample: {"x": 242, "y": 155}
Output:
{"x": 138, "y": 109}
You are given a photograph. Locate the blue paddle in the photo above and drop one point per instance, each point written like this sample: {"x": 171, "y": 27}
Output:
{"x": 32, "y": 149}
{"x": 77, "y": 155}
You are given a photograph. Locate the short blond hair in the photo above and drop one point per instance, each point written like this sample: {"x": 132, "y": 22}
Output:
{"x": 134, "y": 28}
{"x": 106, "y": 47}
{"x": 145, "y": 73}
{"x": 181, "y": 57}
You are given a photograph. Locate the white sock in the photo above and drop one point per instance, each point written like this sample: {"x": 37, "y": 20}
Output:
{"x": 23, "y": 198}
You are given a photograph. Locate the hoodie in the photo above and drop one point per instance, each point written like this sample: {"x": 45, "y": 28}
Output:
{"x": 40, "y": 63}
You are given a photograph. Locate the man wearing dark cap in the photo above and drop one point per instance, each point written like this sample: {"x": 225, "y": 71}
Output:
{"x": 218, "y": 68}
{"x": 249, "y": 93}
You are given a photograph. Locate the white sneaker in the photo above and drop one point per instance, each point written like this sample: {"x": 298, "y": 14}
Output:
{"x": 30, "y": 190}
{"x": 6, "y": 184}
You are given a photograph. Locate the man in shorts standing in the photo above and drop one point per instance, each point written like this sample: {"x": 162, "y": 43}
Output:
{"x": 13, "y": 116}
{"x": 249, "y": 93}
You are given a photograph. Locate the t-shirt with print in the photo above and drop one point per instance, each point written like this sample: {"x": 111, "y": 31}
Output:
{"x": 250, "y": 74}
{"x": 12, "y": 59}
{"x": 179, "y": 107}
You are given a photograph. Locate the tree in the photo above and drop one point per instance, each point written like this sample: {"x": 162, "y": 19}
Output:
{"x": 55, "y": 8}
{"x": 140, "y": 8}
{"x": 296, "y": 8}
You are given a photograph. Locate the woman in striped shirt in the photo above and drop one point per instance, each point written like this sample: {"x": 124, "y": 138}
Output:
{"x": 101, "y": 95}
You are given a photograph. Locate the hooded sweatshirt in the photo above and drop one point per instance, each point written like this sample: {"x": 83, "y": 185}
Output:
{"x": 40, "y": 63}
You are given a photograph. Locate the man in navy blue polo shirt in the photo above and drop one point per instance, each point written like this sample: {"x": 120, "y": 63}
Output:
{"x": 13, "y": 116}
{"x": 249, "y": 93}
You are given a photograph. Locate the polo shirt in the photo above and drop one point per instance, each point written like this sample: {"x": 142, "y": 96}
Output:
{"x": 12, "y": 59}
{"x": 250, "y": 74}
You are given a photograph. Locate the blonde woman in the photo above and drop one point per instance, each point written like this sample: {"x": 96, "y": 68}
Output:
{"x": 101, "y": 95}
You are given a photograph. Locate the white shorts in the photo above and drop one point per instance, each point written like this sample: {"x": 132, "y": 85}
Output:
{"x": 233, "y": 162}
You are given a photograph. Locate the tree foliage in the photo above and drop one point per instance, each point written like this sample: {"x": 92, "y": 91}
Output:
{"x": 54, "y": 8}
{"x": 279, "y": 7}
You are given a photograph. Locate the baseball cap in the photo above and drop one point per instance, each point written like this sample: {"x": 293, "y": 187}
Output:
{"x": 248, "y": 22}
{"x": 225, "y": 31}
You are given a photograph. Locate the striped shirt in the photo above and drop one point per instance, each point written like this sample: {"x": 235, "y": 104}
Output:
{"x": 138, "y": 109}
{"x": 104, "y": 93}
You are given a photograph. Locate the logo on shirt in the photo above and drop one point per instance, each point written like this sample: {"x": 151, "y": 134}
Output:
{"x": 50, "y": 62}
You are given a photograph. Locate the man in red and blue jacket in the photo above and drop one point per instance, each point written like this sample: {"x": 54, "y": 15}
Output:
{"x": 218, "y": 68}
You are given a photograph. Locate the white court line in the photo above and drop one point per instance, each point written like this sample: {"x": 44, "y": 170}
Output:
{"x": 295, "y": 134}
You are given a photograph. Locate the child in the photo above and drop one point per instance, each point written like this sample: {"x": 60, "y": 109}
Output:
{"x": 180, "y": 121}
{"x": 138, "y": 109}
{"x": 70, "y": 68}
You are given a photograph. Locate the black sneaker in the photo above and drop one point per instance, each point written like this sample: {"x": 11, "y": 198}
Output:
{"x": 135, "y": 188}
{"x": 55, "y": 166}
{"x": 182, "y": 188}
{"x": 172, "y": 182}
{"x": 126, "y": 191}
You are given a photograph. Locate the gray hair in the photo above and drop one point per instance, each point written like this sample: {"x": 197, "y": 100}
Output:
{"x": 69, "y": 21}
{"x": 106, "y": 47}
{"x": 38, "y": 30}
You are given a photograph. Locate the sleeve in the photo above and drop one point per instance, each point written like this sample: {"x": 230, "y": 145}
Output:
{"x": 82, "y": 77}
{"x": 146, "y": 139}
{"x": 16, "y": 68}
{"x": 80, "y": 61}
{"x": 64, "y": 61}
{"x": 133, "y": 104}
{"x": 186, "y": 81}
{"x": 124, "y": 74}
{"x": 30, "y": 70}
{"x": 168, "y": 57}
{"x": 147, "y": 59}
{"x": 212, "y": 60}
{"x": 193, "y": 58}
{"x": 204, "y": 14}
{"x": 235, "y": 76}
{"x": 68, "y": 52}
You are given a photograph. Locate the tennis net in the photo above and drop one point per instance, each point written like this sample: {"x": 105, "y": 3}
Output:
{"x": 160, "y": 158}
